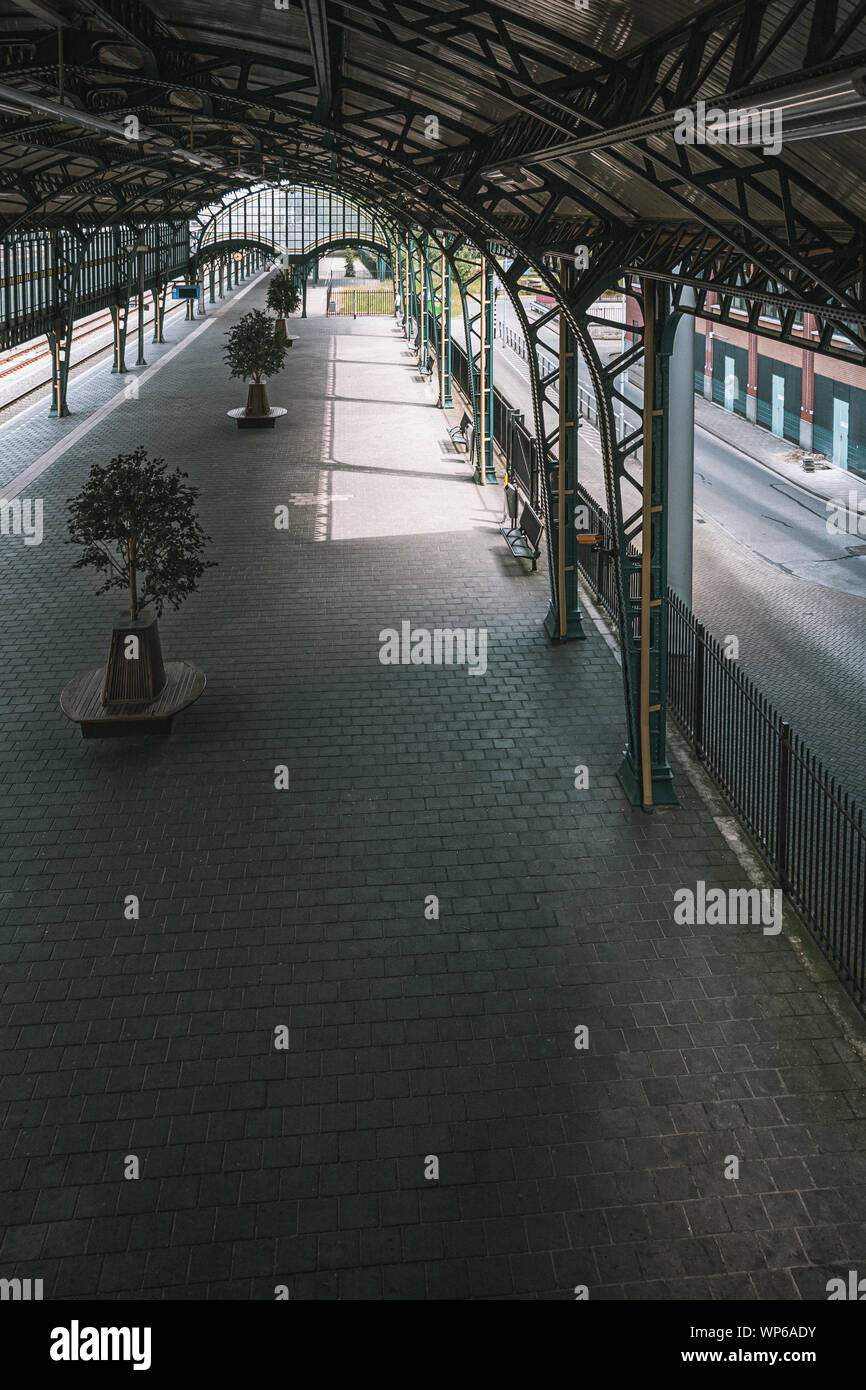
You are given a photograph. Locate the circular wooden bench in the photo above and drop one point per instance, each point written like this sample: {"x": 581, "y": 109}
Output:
{"x": 81, "y": 701}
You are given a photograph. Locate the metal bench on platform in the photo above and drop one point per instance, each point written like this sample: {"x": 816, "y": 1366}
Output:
{"x": 459, "y": 434}
{"x": 522, "y": 536}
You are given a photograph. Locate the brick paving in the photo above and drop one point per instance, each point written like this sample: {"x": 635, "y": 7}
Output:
{"x": 411, "y": 1036}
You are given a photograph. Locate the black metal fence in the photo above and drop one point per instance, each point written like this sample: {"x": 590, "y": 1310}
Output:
{"x": 509, "y": 431}
{"x": 809, "y": 831}
{"x": 807, "y": 828}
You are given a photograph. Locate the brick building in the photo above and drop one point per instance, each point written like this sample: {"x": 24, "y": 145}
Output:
{"x": 814, "y": 401}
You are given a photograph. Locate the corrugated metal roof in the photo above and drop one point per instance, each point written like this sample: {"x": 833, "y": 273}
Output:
{"x": 467, "y": 97}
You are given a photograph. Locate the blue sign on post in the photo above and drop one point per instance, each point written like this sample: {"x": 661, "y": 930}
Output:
{"x": 184, "y": 292}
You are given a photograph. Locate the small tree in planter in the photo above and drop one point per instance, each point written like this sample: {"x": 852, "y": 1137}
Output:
{"x": 283, "y": 298}
{"x": 252, "y": 351}
{"x": 139, "y": 529}
{"x": 350, "y": 262}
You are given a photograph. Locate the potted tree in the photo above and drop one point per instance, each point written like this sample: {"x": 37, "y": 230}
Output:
{"x": 253, "y": 351}
{"x": 283, "y": 299}
{"x": 138, "y": 527}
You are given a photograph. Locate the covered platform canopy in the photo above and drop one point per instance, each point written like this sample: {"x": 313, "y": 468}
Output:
{"x": 522, "y": 122}
{"x": 600, "y": 146}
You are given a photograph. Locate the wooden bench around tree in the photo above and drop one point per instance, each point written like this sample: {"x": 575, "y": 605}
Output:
{"x": 81, "y": 701}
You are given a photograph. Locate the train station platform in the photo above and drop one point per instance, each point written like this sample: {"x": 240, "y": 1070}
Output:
{"x": 435, "y": 907}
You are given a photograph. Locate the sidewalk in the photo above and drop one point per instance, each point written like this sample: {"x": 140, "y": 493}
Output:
{"x": 435, "y": 909}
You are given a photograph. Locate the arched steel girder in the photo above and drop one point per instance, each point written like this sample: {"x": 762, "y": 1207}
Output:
{"x": 598, "y": 93}
{"x": 441, "y": 211}
{"x": 95, "y": 183}
{"x": 447, "y": 205}
{"x": 452, "y": 39}
{"x": 213, "y": 250}
{"x": 366, "y": 155}
{"x": 355, "y": 207}
{"x": 598, "y": 88}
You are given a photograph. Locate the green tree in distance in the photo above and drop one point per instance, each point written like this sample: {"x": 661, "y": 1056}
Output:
{"x": 283, "y": 295}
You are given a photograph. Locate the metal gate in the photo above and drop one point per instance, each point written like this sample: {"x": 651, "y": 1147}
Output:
{"x": 361, "y": 301}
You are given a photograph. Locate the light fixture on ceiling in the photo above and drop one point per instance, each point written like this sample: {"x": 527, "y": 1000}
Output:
{"x": 811, "y": 109}
{"x": 826, "y": 106}
{"x": 24, "y": 102}
{"x": 69, "y": 115}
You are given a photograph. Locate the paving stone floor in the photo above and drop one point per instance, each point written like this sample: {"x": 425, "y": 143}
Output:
{"x": 410, "y": 1036}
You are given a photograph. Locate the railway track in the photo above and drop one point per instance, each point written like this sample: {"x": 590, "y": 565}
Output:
{"x": 30, "y": 356}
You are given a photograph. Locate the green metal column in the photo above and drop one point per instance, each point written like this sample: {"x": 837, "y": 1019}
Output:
{"x": 60, "y": 344}
{"x": 158, "y": 310}
{"x": 413, "y": 300}
{"x": 431, "y": 317}
{"x": 563, "y": 619}
{"x": 423, "y": 311}
{"x": 305, "y": 274}
{"x": 446, "y": 400}
{"x": 645, "y": 772}
{"x": 68, "y": 250}
{"x": 212, "y": 284}
{"x": 201, "y": 311}
{"x": 119, "y": 316}
{"x": 485, "y": 375}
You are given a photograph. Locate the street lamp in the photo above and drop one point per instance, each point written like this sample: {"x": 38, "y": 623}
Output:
{"x": 140, "y": 249}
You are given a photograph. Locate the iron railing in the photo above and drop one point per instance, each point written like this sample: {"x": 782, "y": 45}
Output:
{"x": 359, "y": 300}
{"x": 808, "y": 830}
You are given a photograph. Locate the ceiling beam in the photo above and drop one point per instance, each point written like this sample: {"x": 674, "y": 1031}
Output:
{"x": 316, "y": 16}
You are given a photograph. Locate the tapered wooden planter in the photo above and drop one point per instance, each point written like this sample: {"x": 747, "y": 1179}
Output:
{"x": 257, "y": 399}
{"x": 135, "y": 673}
{"x": 136, "y": 692}
{"x": 258, "y": 413}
